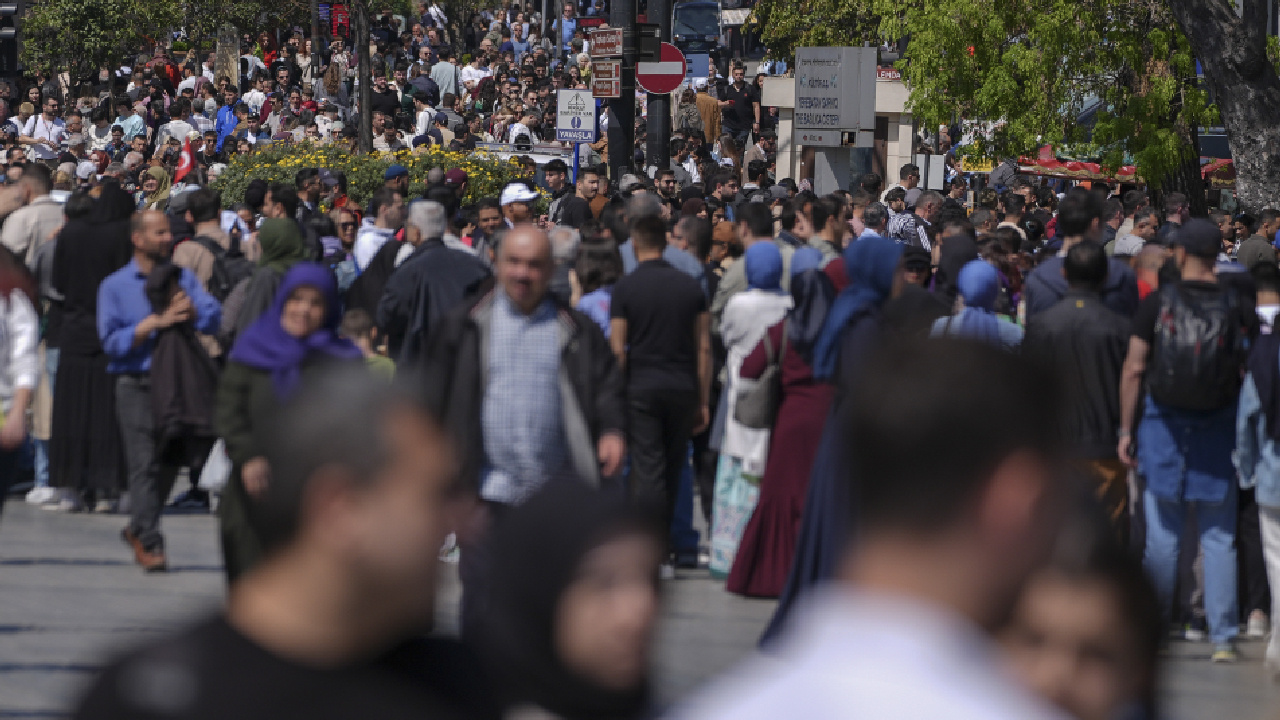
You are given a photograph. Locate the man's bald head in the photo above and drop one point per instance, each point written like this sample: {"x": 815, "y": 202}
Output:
{"x": 524, "y": 266}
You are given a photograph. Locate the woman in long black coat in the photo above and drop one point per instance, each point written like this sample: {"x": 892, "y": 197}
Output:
{"x": 86, "y": 456}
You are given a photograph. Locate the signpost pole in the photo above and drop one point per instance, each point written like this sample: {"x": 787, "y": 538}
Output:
{"x": 577, "y": 152}
{"x": 659, "y": 127}
{"x": 622, "y": 110}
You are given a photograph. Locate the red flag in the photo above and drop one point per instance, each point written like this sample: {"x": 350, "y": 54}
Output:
{"x": 186, "y": 162}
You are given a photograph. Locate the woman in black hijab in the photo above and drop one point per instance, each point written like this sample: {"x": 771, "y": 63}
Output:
{"x": 572, "y": 607}
{"x": 86, "y": 457}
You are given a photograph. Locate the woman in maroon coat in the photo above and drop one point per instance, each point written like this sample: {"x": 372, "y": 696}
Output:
{"x": 768, "y": 543}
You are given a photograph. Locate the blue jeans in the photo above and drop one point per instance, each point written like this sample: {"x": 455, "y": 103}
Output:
{"x": 1217, "y": 524}
{"x": 1186, "y": 459}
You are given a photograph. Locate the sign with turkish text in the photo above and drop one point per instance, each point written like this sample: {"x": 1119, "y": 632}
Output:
{"x": 606, "y": 42}
{"x": 835, "y": 88}
{"x": 575, "y": 116}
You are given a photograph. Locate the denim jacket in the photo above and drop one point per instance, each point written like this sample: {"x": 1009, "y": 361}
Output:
{"x": 1257, "y": 457}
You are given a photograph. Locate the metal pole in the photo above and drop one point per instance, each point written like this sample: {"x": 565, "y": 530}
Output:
{"x": 658, "y": 153}
{"x": 577, "y": 152}
{"x": 622, "y": 110}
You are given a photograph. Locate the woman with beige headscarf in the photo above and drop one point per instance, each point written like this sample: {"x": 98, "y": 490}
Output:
{"x": 155, "y": 189}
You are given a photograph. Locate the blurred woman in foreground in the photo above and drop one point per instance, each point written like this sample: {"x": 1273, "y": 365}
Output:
{"x": 572, "y": 608}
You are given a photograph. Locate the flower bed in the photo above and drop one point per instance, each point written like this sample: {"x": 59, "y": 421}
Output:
{"x": 486, "y": 174}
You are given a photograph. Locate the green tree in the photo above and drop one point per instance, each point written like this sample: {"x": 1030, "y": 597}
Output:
{"x": 1024, "y": 70}
{"x": 82, "y": 36}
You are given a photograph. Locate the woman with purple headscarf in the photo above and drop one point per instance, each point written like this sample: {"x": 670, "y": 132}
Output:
{"x": 299, "y": 331}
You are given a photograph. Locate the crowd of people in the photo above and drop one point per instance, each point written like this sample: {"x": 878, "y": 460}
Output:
{"x": 929, "y": 423}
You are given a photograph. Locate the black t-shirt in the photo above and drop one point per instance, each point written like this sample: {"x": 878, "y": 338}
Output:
{"x": 741, "y": 114}
{"x": 388, "y": 102}
{"x": 574, "y": 212}
{"x": 661, "y": 306}
{"x": 213, "y": 672}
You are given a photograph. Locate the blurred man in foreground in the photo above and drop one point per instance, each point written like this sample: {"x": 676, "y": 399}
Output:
{"x": 946, "y": 539}
{"x": 326, "y": 627}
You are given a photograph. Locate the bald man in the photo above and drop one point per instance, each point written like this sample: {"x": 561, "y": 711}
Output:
{"x": 128, "y": 328}
{"x": 530, "y": 390}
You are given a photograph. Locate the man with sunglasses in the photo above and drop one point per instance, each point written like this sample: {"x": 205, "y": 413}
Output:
{"x": 45, "y": 132}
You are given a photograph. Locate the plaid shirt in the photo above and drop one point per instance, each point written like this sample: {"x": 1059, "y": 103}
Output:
{"x": 524, "y": 440}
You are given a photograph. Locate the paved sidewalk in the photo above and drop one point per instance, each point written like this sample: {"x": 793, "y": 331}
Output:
{"x": 70, "y": 596}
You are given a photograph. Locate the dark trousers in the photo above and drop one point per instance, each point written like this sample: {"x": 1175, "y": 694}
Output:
{"x": 150, "y": 481}
{"x": 474, "y": 567}
{"x": 8, "y": 472}
{"x": 705, "y": 463}
{"x": 1255, "y": 593}
{"x": 659, "y": 425}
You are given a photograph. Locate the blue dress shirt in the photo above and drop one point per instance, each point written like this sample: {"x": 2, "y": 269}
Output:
{"x": 122, "y": 304}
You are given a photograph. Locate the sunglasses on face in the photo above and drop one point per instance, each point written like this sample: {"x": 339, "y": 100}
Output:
{"x": 347, "y": 226}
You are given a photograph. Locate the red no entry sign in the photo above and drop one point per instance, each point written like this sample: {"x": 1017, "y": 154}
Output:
{"x": 664, "y": 76}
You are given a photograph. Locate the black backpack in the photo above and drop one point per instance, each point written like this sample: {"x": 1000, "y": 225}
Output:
{"x": 1199, "y": 349}
{"x": 230, "y": 266}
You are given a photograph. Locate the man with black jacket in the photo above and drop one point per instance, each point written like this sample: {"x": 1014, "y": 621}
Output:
{"x": 530, "y": 391}
{"x": 1085, "y": 343}
{"x": 433, "y": 280}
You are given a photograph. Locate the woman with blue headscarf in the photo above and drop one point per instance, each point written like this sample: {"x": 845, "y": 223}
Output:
{"x": 743, "y": 450}
{"x": 769, "y": 541}
{"x": 979, "y": 286}
{"x": 298, "y": 331}
{"x": 851, "y": 330}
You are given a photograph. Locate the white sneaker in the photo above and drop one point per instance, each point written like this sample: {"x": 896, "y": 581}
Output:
{"x": 42, "y": 495}
{"x": 67, "y": 501}
{"x": 104, "y": 507}
{"x": 667, "y": 571}
{"x": 1257, "y": 626}
{"x": 450, "y": 553}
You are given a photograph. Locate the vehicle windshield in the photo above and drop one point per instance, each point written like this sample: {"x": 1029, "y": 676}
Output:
{"x": 696, "y": 20}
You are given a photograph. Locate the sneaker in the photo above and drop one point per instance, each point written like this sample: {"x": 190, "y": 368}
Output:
{"x": 667, "y": 571}
{"x": 1257, "y": 626}
{"x": 450, "y": 553}
{"x": 1224, "y": 653}
{"x": 1195, "y": 632}
{"x": 104, "y": 507}
{"x": 68, "y": 501}
{"x": 191, "y": 501}
{"x": 42, "y": 495}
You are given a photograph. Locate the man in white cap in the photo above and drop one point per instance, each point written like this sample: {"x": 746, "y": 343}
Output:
{"x": 516, "y": 203}
{"x": 86, "y": 172}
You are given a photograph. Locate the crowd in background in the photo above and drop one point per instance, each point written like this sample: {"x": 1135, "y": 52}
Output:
{"x": 925, "y": 421}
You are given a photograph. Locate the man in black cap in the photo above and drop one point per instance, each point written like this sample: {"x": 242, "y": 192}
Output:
{"x": 1188, "y": 342}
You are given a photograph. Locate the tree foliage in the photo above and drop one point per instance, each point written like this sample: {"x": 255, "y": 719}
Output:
{"x": 82, "y": 36}
{"x": 1113, "y": 79}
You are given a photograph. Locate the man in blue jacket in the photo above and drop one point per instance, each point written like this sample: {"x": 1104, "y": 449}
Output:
{"x": 1079, "y": 218}
{"x": 227, "y": 120}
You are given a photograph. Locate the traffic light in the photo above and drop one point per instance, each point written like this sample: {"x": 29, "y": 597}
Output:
{"x": 10, "y": 13}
